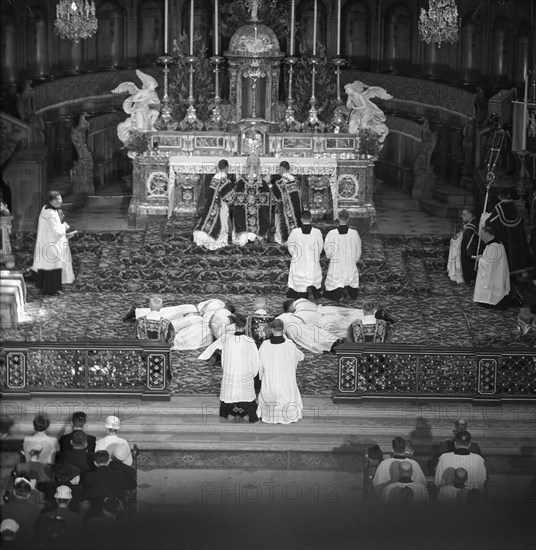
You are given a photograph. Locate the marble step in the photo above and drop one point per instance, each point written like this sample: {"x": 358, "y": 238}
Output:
{"x": 440, "y": 209}
{"x": 453, "y": 196}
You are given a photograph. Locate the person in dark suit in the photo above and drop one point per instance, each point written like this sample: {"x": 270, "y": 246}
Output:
{"x": 447, "y": 445}
{"x": 64, "y": 474}
{"x": 78, "y": 455}
{"x": 101, "y": 483}
{"x": 78, "y": 421}
{"x": 119, "y": 454}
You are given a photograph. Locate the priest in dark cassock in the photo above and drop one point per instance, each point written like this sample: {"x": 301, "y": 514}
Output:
{"x": 508, "y": 228}
{"x": 252, "y": 202}
{"x": 288, "y": 206}
{"x": 212, "y": 230}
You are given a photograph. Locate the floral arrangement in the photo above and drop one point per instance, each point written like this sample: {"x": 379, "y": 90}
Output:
{"x": 369, "y": 142}
{"x": 138, "y": 143}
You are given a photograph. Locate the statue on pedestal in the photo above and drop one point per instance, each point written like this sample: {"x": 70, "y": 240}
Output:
{"x": 364, "y": 113}
{"x": 140, "y": 106}
{"x": 82, "y": 174}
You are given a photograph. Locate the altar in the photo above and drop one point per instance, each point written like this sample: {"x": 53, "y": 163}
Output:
{"x": 167, "y": 183}
{"x": 333, "y": 166}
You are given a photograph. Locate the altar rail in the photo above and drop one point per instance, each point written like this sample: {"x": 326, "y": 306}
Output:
{"x": 401, "y": 371}
{"x": 139, "y": 367}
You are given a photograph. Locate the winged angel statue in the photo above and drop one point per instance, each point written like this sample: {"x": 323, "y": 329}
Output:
{"x": 139, "y": 106}
{"x": 364, "y": 113}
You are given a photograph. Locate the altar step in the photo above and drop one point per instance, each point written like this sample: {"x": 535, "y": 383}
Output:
{"x": 447, "y": 201}
{"x": 192, "y": 424}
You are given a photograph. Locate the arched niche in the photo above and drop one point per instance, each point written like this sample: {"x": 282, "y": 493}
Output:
{"x": 470, "y": 49}
{"x": 397, "y": 43}
{"x": 203, "y": 21}
{"x": 305, "y": 14}
{"x": 355, "y": 33}
{"x": 150, "y": 32}
{"x": 500, "y": 55}
{"x": 522, "y": 53}
{"x": 110, "y": 36}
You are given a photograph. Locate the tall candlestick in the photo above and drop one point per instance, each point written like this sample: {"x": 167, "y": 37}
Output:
{"x": 292, "y": 27}
{"x": 314, "y": 27}
{"x": 191, "y": 27}
{"x": 216, "y": 45}
{"x": 166, "y": 6}
{"x": 339, "y": 28}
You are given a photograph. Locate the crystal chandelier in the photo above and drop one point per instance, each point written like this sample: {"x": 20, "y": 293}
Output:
{"x": 440, "y": 24}
{"x": 75, "y": 19}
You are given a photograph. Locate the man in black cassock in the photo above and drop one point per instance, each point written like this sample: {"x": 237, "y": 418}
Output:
{"x": 508, "y": 228}
{"x": 469, "y": 245}
{"x": 251, "y": 209}
{"x": 288, "y": 206}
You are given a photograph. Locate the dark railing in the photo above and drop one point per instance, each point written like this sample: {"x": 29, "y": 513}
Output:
{"x": 426, "y": 372}
{"x": 97, "y": 366}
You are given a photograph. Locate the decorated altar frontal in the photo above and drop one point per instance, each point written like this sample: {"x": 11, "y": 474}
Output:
{"x": 166, "y": 182}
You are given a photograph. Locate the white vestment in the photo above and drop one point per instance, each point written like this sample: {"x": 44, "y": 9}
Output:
{"x": 343, "y": 251}
{"x": 311, "y": 337}
{"x": 108, "y": 442}
{"x": 279, "y": 399}
{"x": 493, "y": 275}
{"x": 454, "y": 263}
{"x": 305, "y": 250}
{"x": 472, "y": 463}
{"x": 333, "y": 319}
{"x": 240, "y": 364}
{"x": 52, "y": 246}
{"x": 195, "y": 326}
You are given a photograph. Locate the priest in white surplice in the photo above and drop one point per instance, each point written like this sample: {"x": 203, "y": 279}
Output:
{"x": 279, "y": 399}
{"x": 493, "y": 274}
{"x": 305, "y": 245}
{"x": 343, "y": 248}
{"x": 52, "y": 257}
{"x": 240, "y": 364}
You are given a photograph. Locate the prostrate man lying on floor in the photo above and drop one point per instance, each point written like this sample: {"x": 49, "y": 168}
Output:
{"x": 195, "y": 327}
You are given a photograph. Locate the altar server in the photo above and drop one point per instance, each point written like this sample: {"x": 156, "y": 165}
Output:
{"x": 212, "y": 230}
{"x": 493, "y": 275}
{"x": 286, "y": 193}
{"x": 240, "y": 364}
{"x": 52, "y": 257}
{"x": 251, "y": 209}
{"x": 305, "y": 245}
{"x": 343, "y": 248}
{"x": 461, "y": 265}
{"x": 279, "y": 399}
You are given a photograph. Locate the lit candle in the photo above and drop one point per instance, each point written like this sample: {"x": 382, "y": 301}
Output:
{"x": 339, "y": 28}
{"x": 292, "y": 28}
{"x": 216, "y": 45}
{"x": 166, "y": 26}
{"x": 191, "y": 27}
{"x": 314, "y": 27}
